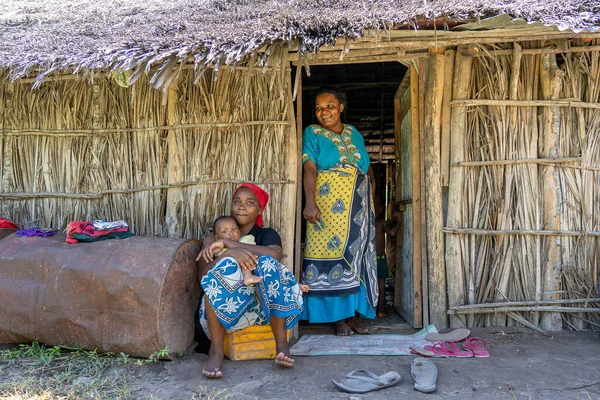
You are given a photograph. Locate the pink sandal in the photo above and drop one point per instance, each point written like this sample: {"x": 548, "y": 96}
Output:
{"x": 448, "y": 349}
{"x": 478, "y": 346}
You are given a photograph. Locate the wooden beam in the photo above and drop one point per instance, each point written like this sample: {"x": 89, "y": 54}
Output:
{"x": 525, "y": 103}
{"x": 455, "y": 268}
{"x": 423, "y": 219}
{"x": 551, "y": 78}
{"x": 433, "y": 190}
{"x": 416, "y": 197}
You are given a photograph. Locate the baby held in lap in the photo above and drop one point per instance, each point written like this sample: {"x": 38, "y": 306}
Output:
{"x": 225, "y": 227}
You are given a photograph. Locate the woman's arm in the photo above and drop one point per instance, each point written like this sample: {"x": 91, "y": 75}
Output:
{"x": 311, "y": 211}
{"x": 270, "y": 250}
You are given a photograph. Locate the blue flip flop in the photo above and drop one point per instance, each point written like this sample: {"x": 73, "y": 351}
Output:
{"x": 363, "y": 381}
{"x": 424, "y": 373}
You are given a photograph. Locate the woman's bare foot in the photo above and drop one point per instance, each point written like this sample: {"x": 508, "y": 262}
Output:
{"x": 355, "y": 324}
{"x": 213, "y": 365}
{"x": 382, "y": 314}
{"x": 341, "y": 328}
{"x": 250, "y": 278}
{"x": 283, "y": 355}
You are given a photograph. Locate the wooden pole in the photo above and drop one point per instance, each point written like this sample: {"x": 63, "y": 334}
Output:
{"x": 7, "y": 148}
{"x": 551, "y": 78}
{"x": 455, "y": 270}
{"x": 423, "y": 219}
{"x": 446, "y": 115}
{"x": 175, "y": 176}
{"x": 299, "y": 116}
{"x": 459, "y": 309}
{"x": 433, "y": 190}
{"x": 416, "y": 198}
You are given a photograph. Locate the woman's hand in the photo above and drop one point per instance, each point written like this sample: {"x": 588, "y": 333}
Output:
{"x": 244, "y": 258}
{"x": 312, "y": 212}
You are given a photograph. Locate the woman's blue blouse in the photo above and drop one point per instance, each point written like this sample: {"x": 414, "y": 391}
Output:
{"x": 327, "y": 149}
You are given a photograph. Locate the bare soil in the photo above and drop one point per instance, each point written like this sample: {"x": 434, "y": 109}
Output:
{"x": 523, "y": 364}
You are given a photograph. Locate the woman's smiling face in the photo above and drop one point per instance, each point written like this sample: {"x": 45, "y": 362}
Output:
{"x": 245, "y": 207}
{"x": 328, "y": 110}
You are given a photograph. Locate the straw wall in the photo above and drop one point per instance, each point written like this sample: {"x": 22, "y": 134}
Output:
{"x": 528, "y": 221}
{"x": 166, "y": 162}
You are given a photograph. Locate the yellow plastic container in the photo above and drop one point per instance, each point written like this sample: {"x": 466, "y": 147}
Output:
{"x": 252, "y": 343}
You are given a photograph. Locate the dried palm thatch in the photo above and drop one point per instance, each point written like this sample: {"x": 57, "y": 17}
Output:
{"x": 79, "y": 151}
{"x": 43, "y": 36}
{"x": 510, "y": 193}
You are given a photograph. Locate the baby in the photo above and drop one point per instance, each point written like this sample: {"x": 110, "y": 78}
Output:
{"x": 225, "y": 227}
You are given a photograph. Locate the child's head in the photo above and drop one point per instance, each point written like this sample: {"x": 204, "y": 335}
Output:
{"x": 225, "y": 227}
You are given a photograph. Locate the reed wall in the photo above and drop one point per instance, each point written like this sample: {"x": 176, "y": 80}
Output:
{"x": 166, "y": 162}
{"x": 530, "y": 204}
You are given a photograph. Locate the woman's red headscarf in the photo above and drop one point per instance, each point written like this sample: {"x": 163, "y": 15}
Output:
{"x": 261, "y": 195}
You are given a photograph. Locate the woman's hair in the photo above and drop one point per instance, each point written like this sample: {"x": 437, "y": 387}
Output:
{"x": 339, "y": 95}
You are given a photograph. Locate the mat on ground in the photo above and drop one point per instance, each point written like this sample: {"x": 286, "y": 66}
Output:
{"x": 366, "y": 345}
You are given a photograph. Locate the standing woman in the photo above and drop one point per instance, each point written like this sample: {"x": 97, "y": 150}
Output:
{"x": 339, "y": 256}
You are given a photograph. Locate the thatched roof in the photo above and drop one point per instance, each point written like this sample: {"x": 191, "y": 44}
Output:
{"x": 41, "y": 36}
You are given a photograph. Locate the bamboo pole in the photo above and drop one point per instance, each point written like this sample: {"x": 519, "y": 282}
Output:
{"x": 446, "y": 113}
{"x": 532, "y": 51}
{"x": 433, "y": 189}
{"x": 298, "y": 260}
{"x": 551, "y": 82}
{"x": 454, "y": 265}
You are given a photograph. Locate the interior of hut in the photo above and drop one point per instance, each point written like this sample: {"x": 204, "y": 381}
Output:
{"x": 370, "y": 90}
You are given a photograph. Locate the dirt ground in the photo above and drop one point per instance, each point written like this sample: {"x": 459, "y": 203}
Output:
{"x": 523, "y": 364}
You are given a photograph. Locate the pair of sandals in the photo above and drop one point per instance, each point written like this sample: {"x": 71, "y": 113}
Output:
{"x": 472, "y": 347}
{"x": 422, "y": 370}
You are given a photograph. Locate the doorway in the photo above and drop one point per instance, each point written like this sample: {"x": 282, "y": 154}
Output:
{"x": 373, "y": 108}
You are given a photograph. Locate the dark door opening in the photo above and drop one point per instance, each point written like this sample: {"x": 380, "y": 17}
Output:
{"x": 370, "y": 90}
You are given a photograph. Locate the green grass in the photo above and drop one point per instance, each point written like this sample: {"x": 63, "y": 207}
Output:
{"x": 39, "y": 372}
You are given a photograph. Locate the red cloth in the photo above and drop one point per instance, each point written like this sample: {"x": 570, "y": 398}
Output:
{"x": 261, "y": 195}
{"x": 87, "y": 228}
{"x": 7, "y": 224}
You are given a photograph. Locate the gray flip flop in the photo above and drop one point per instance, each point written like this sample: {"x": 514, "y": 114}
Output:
{"x": 424, "y": 373}
{"x": 363, "y": 381}
{"x": 453, "y": 336}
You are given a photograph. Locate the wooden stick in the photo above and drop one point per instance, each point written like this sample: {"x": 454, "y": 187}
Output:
{"x": 509, "y": 308}
{"x": 525, "y": 103}
{"x": 174, "y": 168}
{"x": 41, "y": 195}
{"x": 528, "y": 52}
{"x": 507, "y": 232}
{"x": 87, "y": 132}
{"x": 423, "y": 220}
{"x": 454, "y": 267}
{"x": 433, "y": 189}
{"x": 522, "y": 303}
{"x": 549, "y": 161}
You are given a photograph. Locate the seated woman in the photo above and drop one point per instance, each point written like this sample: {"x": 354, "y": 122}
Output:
{"x": 228, "y": 304}
{"x": 339, "y": 256}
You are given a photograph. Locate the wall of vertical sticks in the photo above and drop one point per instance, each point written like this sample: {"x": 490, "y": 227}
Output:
{"x": 165, "y": 161}
{"x": 522, "y": 247}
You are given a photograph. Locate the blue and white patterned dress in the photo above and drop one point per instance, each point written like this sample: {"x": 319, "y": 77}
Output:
{"x": 237, "y": 305}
